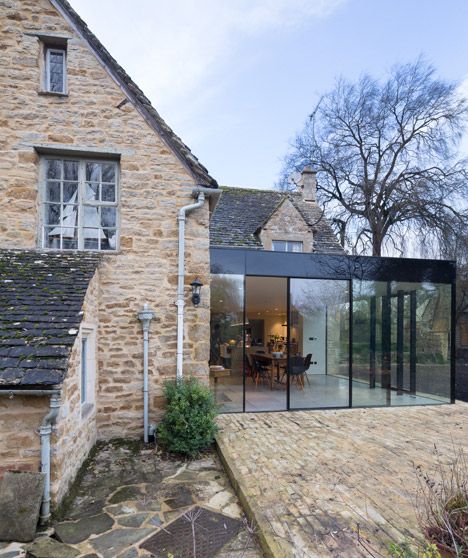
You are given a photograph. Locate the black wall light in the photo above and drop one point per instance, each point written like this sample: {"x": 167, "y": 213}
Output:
{"x": 196, "y": 288}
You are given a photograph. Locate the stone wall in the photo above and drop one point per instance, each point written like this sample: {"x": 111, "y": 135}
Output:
{"x": 20, "y": 418}
{"x": 154, "y": 184}
{"x": 76, "y": 431}
{"x": 287, "y": 223}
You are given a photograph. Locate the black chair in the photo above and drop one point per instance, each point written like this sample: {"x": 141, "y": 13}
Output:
{"x": 260, "y": 370}
{"x": 307, "y": 363}
{"x": 297, "y": 369}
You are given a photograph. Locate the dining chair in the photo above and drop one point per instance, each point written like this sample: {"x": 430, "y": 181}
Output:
{"x": 260, "y": 370}
{"x": 307, "y": 363}
{"x": 297, "y": 370}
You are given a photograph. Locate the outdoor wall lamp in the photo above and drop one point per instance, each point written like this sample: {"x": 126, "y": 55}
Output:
{"x": 196, "y": 288}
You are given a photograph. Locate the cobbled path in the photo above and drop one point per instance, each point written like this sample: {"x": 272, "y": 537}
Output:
{"x": 337, "y": 483}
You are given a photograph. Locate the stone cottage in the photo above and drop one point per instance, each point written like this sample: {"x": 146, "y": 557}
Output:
{"x": 88, "y": 167}
{"x": 273, "y": 220}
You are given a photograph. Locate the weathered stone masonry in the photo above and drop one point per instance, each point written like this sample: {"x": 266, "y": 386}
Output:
{"x": 154, "y": 184}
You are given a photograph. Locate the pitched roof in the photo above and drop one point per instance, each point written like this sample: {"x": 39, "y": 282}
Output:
{"x": 241, "y": 212}
{"x": 41, "y": 299}
{"x": 138, "y": 97}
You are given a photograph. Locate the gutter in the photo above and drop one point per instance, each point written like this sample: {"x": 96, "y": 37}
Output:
{"x": 199, "y": 193}
{"x": 45, "y": 431}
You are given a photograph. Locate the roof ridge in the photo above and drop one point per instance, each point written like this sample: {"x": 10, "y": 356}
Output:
{"x": 138, "y": 97}
{"x": 225, "y": 188}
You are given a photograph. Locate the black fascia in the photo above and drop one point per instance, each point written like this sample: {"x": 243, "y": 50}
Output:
{"x": 244, "y": 261}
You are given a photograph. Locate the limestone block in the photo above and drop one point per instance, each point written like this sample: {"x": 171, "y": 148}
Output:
{"x": 20, "y": 502}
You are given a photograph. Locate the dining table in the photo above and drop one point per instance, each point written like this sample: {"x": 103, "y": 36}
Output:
{"x": 273, "y": 362}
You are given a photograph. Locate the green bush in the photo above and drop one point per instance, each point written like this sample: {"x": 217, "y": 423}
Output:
{"x": 188, "y": 425}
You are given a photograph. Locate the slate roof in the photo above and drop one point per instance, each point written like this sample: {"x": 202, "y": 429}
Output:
{"x": 41, "y": 299}
{"x": 241, "y": 212}
{"x": 138, "y": 98}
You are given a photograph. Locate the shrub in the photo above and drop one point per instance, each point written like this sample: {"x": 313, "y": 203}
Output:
{"x": 442, "y": 504}
{"x": 404, "y": 550}
{"x": 188, "y": 425}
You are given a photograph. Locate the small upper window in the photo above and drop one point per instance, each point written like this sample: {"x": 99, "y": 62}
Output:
{"x": 55, "y": 70}
{"x": 287, "y": 246}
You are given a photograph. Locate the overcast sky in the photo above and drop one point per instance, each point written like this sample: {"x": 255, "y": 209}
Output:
{"x": 237, "y": 78}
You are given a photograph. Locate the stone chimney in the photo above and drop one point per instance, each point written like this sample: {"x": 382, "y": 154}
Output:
{"x": 308, "y": 184}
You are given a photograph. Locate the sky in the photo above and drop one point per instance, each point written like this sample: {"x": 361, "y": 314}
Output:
{"x": 236, "y": 79}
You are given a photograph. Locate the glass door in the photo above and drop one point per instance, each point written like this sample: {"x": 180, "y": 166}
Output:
{"x": 266, "y": 353}
{"x": 319, "y": 344}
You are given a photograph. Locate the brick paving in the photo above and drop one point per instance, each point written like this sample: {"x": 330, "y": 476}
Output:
{"x": 313, "y": 479}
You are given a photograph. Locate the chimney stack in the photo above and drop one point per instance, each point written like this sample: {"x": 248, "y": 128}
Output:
{"x": 308, "y": 184}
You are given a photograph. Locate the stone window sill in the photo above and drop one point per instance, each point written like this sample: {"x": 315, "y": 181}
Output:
{"x": 52, "y": 94}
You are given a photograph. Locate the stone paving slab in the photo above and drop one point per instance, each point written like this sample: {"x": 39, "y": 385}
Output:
{"x": 312, "y": 479}
{"x": 129, "y": 492}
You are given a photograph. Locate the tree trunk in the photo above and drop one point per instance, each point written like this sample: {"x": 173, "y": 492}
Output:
{"x": 376, "y": 244}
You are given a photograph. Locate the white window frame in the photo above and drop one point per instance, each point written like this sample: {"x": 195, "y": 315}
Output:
{"x": 82, "y": 161}
{"x": 288, "y": 246}
{"x": 63, "y": 51}
{"x": 88, "y": 365}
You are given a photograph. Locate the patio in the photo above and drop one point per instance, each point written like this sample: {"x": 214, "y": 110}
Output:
{"x": 314, "y": 479}
{"x": 320, "y": 391}
{"x": 133, "y": 501}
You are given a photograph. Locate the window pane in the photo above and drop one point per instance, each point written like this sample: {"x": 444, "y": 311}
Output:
{"x": 92, "y": 233}
{"x": 52, "y": 214}
{"x": 93, "y": 172}
{"x": 401, "y": 343}
{"x": 227, "y": 333}
{"x": 91, "y": 216}
{"x": 108, "y": 173}
{"x": 53, "y": 191}
{"x": 279, "y": 246}
{"x": 52, "y": 237}
{"x": 70, "y": 170}
{"x": 91, "y": 192}
{"x": 54, "y": 169}
{"x": 108, "y": 192}
{"x": 69, "y": 220}
{"x": 91, "y": 244}
{"x": 91, "y": 238}
{"x": 56, "y": 71}
{"x": 109, "y": 242}
{"x": 84, "y": 372}
{"x": 295, "y": 246}
{"x": 319, "y": 331}
{"x": 70, "y": 192}
{"x": 70, "y": 244}
{"x": 108, "y": 216}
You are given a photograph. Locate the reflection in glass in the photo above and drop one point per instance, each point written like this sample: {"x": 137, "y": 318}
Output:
{"x": 266, "y": 348}
{"x": 401, "y": 343}
{"x": 319, "y": 333}
{"x": 226, "y": 348}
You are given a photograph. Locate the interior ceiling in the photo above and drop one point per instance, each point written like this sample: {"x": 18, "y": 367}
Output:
{"x": 266, "y": 293}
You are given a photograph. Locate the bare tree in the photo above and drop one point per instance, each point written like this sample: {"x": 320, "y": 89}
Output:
{"x": 386, "y": 156}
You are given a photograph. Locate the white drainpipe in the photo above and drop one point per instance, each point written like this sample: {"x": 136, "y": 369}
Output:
{"x": 200, "y": 194}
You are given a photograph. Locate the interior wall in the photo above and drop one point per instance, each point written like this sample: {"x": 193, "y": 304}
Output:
{"x": 314, "y": 325}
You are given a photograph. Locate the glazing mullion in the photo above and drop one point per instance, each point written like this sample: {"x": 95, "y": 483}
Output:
{"x": 81, "y": 182}
{"x": 288, "y": 340}
{"x": 243, "y": 343}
